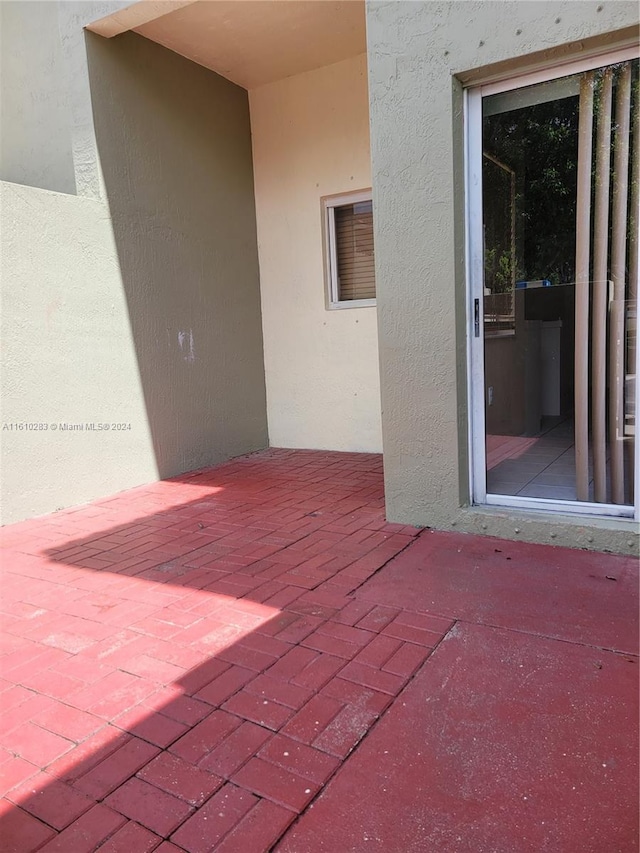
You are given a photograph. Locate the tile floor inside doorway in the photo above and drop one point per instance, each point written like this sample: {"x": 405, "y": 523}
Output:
{"x": 535, "y": 467}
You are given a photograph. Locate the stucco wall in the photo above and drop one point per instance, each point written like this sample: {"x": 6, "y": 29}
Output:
{"x": 35, "y": 99}
{"x": 135, "y": 300}
{"x": 68, "y": 357}
{"x": 47, "y": 137}
{"x": 311, "y": 139}
{"x": 416, "y": 49}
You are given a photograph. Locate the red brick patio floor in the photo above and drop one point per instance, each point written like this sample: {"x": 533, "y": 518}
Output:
{"x": 249, "y": 658}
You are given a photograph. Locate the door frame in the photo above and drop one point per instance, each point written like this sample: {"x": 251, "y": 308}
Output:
{"x": 473, "y": 96}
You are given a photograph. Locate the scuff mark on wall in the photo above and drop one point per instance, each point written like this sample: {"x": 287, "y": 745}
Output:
{"x": 185, "y": 342}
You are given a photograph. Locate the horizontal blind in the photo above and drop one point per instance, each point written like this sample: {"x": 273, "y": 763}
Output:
{"x": 354, "y": 251}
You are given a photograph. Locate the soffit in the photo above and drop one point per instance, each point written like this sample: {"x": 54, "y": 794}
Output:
{"x": 254, "y": 42}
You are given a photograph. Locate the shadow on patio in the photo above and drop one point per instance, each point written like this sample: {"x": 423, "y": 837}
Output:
{"x": 185, "y": 666}
{"x": 154, "y": 647}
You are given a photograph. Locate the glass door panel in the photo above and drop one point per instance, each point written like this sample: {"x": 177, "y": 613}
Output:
{"x": 560, "y": 258}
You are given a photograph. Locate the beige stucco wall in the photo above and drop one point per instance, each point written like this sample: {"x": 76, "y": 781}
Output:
{"x": 311, "y": 139}
{"x": 47, "y": 138}
{"x": 131, "y": 293}
{"x": 416, "y": 52}
{"x": 67, "y": 357}
{"x": 28, "y": 154}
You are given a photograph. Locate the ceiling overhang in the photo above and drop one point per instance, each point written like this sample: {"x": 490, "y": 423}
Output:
{"x": 250, "y": 42}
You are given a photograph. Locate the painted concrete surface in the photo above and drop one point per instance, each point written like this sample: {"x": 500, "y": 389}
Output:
{"x": 501, "y": 743}
{"x": 417, "y": 54}
{"x": 209, "y": 665}
{"x": 577, "y": 596}
{"x": 311, "y": 139}
{"x": 131, "y": 294}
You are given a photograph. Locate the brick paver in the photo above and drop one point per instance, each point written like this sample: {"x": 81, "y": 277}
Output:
{"x": 185, "y": 665}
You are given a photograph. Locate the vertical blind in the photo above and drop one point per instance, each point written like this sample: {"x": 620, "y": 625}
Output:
{"x": 606, "y": 305}
{"x": 354, "y": 251}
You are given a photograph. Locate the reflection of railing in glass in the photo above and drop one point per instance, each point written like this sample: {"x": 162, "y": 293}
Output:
{"x": 499, "y": 245}
{"x": 631, "y": 343}
{"x": 499, "y": 315}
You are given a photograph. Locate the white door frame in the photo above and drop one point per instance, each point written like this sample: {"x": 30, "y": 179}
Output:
{"x": 475, "y": 291}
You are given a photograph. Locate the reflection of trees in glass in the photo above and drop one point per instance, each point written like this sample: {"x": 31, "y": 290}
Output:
{"x": 498, "y": 270}
{"x": 632, "y": 214}
{"x": 498, "y": 182}
{"x": 540, "y": 144}
{"x": 499, "y": 191}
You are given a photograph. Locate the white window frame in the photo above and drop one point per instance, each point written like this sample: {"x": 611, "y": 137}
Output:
{"x": 473, "y": 96}
{"x": 329, "y": 204}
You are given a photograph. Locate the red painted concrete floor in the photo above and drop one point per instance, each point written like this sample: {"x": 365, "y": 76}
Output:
{"x": 249, "y": 658}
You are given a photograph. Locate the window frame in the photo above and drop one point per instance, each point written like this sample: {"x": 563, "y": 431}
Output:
{"x": 329, "y": 204}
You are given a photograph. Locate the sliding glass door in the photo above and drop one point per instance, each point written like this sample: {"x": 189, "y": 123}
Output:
{"x": 552, "y": 186}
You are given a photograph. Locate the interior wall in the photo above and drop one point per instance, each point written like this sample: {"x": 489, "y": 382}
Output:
{"x": 130, "y": 294}
{"x": 504, "y": 372}
{"x": 311, "y": 139}
{"x": 418, "y": 55}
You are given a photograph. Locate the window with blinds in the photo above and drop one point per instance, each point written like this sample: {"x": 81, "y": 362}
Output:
{"x": 350, "y": 250}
